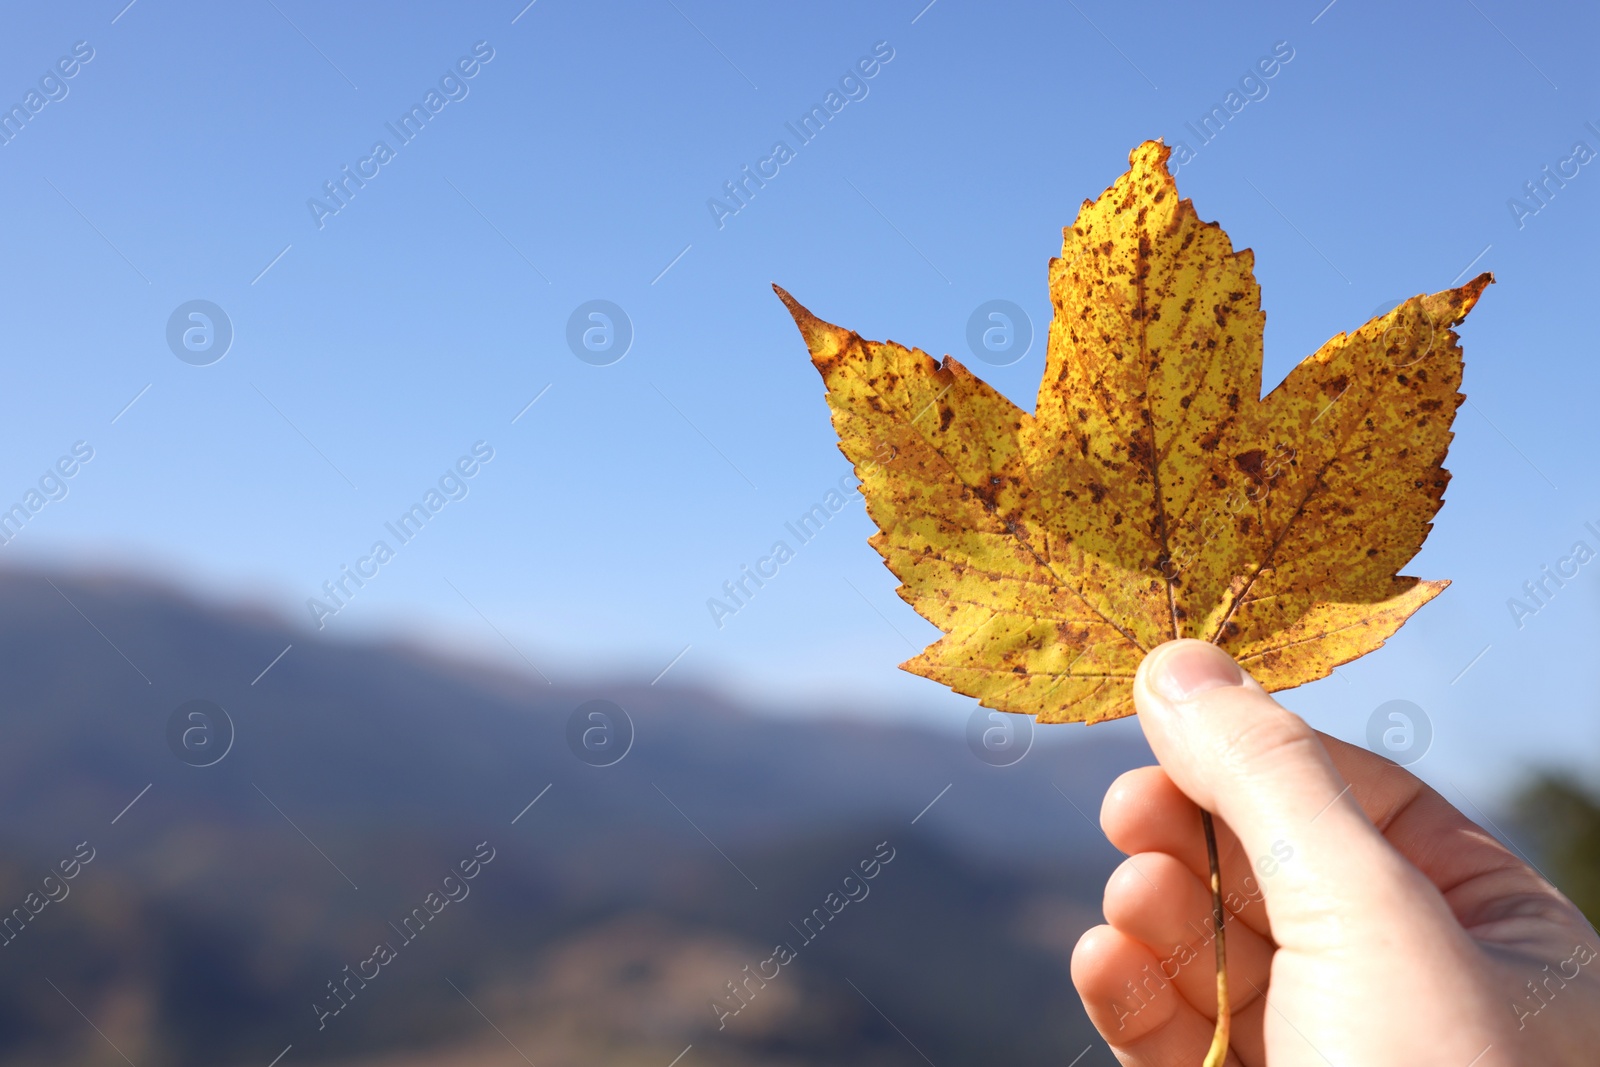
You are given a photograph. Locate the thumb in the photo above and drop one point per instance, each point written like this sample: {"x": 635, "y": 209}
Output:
{"x": 1241, "y": 755}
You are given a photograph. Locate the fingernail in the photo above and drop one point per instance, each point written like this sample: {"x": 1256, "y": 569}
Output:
{"x": 1186, "y": 670}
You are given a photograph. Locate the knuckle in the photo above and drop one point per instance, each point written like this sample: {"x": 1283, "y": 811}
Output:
{"x": 1267, "y": 741}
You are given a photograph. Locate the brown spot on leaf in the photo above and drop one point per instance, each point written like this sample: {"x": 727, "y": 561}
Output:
{"x": 1251, "y": 463}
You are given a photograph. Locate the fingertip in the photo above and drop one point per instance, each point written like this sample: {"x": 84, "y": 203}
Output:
{"x": 1183, "y": 669}
{"x": 1095, "y": 947}
{"x": 1129, "y": 875}
{"x": 1150, "y": 881}
{"x": 1104, "y": 962}
{"x": 1124, "y": 795}
{"x": 1134, "y": 799}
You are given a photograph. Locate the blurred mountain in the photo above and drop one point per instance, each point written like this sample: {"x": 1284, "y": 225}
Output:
{"x": 222, "y": 901}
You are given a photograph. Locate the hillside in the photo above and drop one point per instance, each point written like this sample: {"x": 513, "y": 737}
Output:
{"x": 217, "y": 908}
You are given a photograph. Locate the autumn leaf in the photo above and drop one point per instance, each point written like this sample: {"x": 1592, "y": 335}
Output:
{"x": 1153, "y": 493}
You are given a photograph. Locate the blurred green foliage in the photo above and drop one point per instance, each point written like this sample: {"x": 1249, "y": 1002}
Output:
{"x": 1562, "y": 818}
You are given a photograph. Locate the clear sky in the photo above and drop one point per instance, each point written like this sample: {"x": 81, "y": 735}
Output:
{"x": 374, "y": 345}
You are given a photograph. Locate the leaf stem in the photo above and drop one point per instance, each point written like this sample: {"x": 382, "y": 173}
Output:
{"x": 1219, "y": 1040}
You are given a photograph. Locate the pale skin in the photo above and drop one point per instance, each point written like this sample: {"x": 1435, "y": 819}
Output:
{"x": 1396, "y": 933}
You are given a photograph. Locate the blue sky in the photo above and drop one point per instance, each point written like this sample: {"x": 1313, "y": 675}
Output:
{"x": 374, "y": 347}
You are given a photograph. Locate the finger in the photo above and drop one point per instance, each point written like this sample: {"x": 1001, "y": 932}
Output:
{"x": 1156, "y": 900}
{"x": 1145, "y": 1025}
{"x": 1236, "y": 752}
{"x": 1145, "y": 812}
{"x": 1247, "y": 1035}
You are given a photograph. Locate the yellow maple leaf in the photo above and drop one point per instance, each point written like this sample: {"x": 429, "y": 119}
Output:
{"x": 1153, "y": 493}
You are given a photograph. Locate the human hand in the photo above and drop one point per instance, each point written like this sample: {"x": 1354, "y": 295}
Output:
{"x": 1370, "y": 922}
